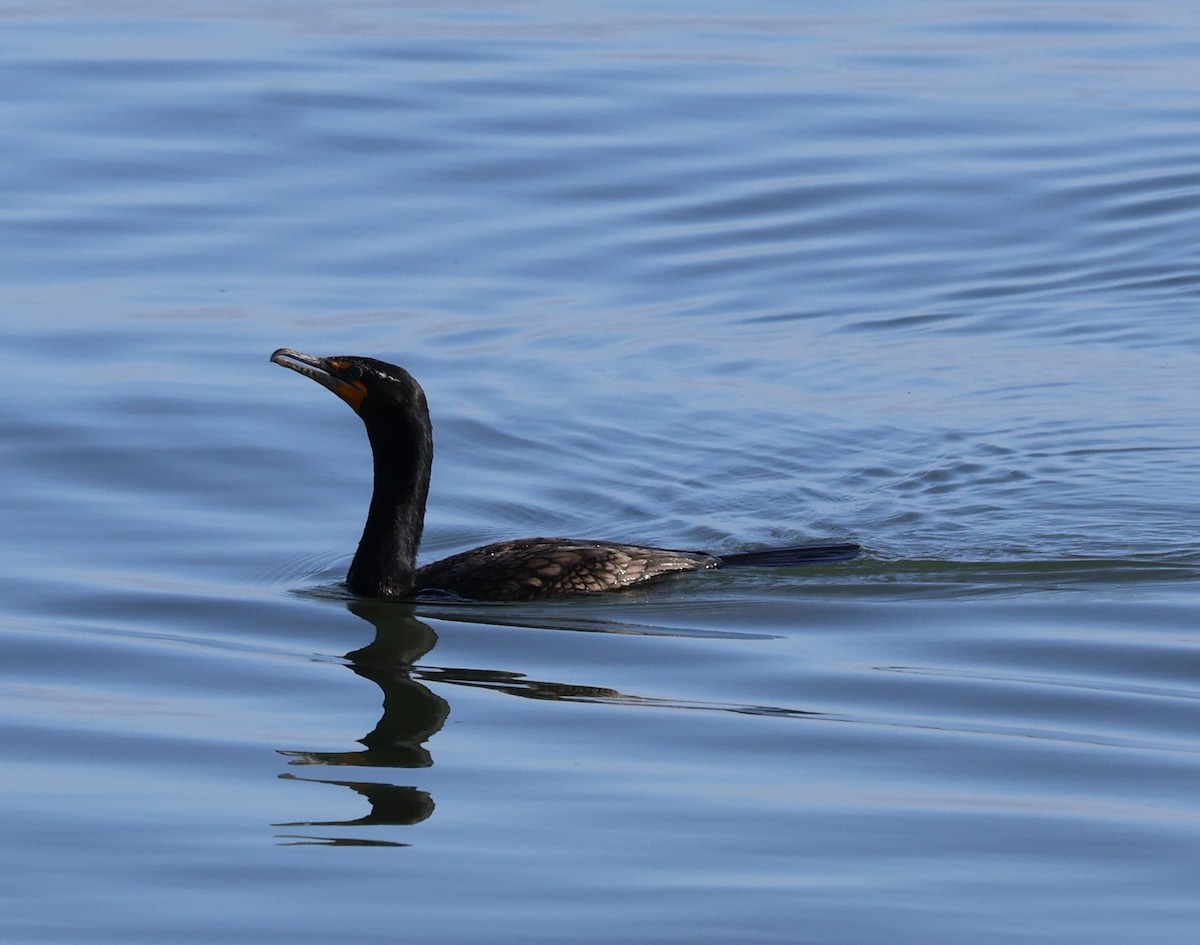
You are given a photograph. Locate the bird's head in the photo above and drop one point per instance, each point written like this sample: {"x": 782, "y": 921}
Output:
{"x": 369, "y": 386}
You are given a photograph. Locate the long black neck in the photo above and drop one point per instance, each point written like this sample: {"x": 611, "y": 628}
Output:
{"x": 402, "y": 446}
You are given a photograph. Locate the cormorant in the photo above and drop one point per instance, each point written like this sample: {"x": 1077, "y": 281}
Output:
{"x": 392, "y": 406}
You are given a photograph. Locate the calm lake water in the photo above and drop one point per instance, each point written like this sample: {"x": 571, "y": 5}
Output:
{"x": 922, "y": 275}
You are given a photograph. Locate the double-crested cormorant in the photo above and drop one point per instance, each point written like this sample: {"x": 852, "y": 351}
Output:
{"x": 393, "y": 408}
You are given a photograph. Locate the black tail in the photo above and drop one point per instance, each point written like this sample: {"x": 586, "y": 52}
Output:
{"x": 789, "y": 557}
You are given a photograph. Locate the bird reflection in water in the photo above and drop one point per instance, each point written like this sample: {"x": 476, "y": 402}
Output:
{"x": 413, "y": 714}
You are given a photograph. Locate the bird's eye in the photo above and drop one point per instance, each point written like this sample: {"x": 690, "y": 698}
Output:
{"x": 354, "y": 372}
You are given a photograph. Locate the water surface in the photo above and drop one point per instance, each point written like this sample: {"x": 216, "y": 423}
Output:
{"x": 918, "y": 275}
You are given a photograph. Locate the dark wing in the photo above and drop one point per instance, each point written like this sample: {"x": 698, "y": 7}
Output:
{"x": 531, "y": 568}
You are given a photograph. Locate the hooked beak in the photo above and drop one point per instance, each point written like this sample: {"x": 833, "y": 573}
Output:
{"x": 328, "y": 372}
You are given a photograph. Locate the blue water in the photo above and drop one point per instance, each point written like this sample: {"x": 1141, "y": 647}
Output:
{"x": 921, "y": 275}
